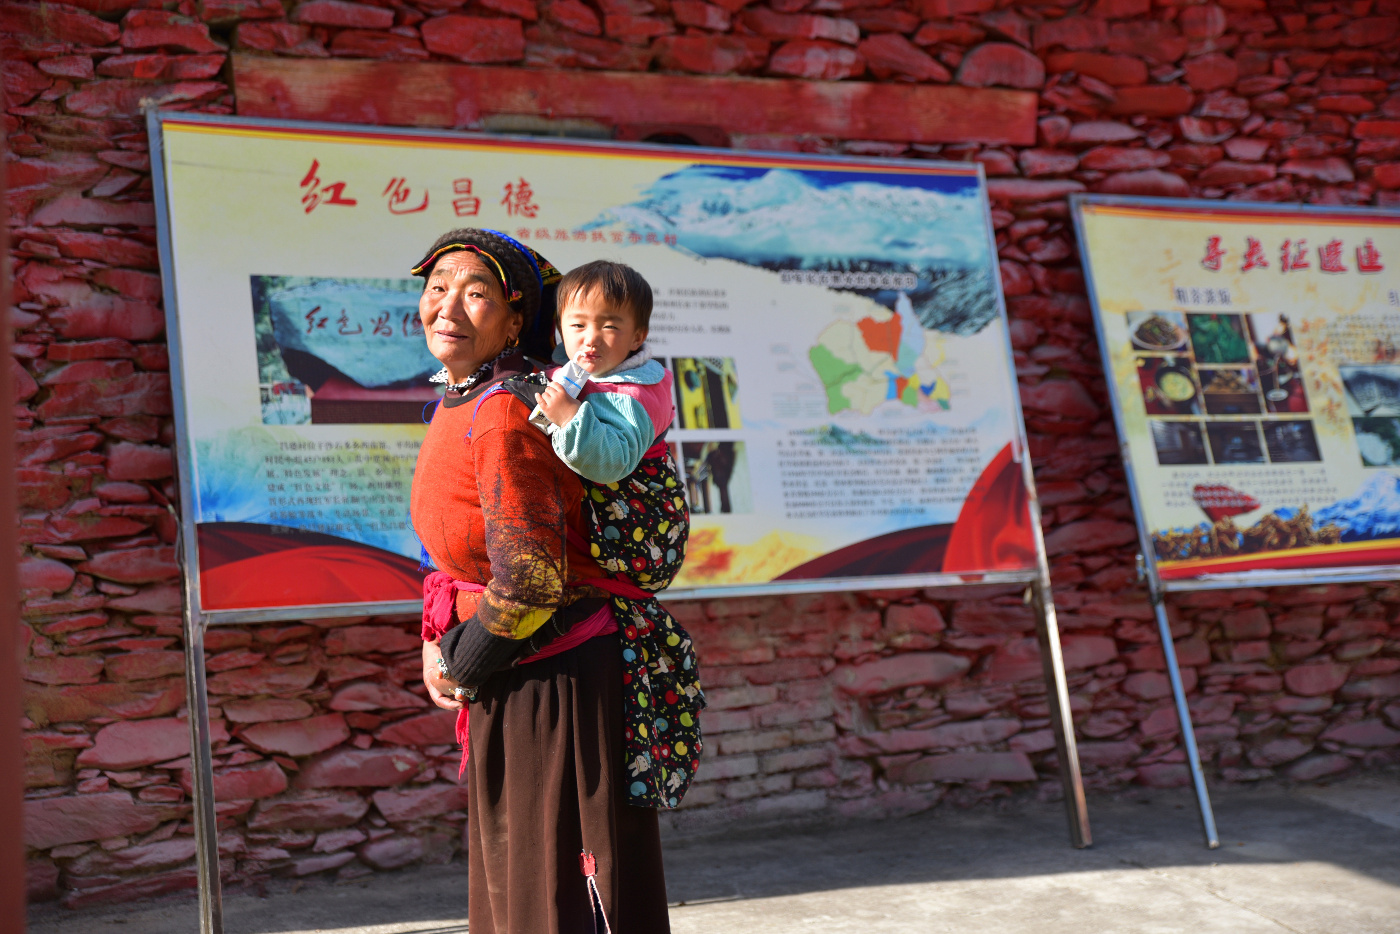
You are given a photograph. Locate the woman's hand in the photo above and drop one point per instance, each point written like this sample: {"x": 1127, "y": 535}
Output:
{"x": 557, "y": 405}
{"x": 439, "y": 686}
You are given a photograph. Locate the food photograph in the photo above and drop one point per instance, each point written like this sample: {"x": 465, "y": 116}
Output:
{"x": 1169, "y": 385}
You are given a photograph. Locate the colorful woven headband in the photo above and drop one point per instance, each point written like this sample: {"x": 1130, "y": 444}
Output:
{"x": 540, "y": 340}
{"x": 544, "y": 269}
{"x": 511, "y": 292}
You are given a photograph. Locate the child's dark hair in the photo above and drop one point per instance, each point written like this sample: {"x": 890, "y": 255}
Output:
{"x": 615, "y": 284}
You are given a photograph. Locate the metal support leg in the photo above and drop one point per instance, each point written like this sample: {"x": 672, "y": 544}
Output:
{"x": 1057, "y": 693}
{"x": 1183, "y": 715}
{"x": 206, "y": 827}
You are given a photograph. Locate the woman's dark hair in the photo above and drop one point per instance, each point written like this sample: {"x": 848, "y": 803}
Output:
{"x": 530, "y": 274}
{"x": 615, "y": 284}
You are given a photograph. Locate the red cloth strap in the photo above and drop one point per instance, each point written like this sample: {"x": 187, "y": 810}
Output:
{"x": 440, "y": 595}
{"x": 618, "y": 588}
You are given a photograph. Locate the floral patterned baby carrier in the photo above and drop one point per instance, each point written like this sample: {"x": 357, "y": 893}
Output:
{"x": 637, "y": 531}
{"x": 639, "y": 525}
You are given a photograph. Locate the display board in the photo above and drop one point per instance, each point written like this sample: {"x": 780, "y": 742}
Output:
{"x": 1253, "y": 356}
{"x": 846, "y": 405}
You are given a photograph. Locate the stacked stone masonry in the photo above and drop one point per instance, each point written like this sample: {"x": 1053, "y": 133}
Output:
{"x": 328, "y": 757}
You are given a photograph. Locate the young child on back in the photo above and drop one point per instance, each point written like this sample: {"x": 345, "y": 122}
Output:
{"x": 604, "y": 310}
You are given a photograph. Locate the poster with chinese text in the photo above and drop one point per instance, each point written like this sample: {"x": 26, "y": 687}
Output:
{"x": 1254, "y": 357}
{"x": 845, "y": 407}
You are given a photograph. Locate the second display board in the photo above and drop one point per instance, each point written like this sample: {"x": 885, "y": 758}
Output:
{"x": 1254, "y": 360}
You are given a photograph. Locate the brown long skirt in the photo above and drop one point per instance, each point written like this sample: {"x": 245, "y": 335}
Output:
{"x": 546, "y": 781}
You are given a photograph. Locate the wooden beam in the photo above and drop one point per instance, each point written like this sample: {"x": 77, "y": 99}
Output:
{"x": 439, "y": 94}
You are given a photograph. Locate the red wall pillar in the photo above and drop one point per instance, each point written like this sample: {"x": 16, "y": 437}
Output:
{"x": 12, "y": 887}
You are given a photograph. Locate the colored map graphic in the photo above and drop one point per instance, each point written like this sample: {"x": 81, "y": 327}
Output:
{"x": 881, "y": 358}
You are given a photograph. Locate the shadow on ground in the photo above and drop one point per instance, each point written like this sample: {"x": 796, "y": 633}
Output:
{"x": 1299, "y": 860}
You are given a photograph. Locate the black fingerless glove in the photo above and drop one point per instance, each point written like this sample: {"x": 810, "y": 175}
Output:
{"x": 472, "y": 654}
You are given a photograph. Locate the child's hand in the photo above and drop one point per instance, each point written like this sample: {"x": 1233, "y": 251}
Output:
{"x": 557, "y": 405}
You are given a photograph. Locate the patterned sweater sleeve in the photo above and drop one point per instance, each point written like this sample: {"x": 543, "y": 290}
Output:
{"x": 606, "y": 438}
{"x": 525, "y": 497}
{"x": 523, "y": 504}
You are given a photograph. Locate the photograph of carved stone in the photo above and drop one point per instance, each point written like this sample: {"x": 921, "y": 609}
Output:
{"x": 340, "y": 351}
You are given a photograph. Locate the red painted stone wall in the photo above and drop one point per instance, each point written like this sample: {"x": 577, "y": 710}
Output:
{"x": 327, "y": 757}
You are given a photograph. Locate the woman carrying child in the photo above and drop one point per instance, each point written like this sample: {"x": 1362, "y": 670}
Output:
{"x": 582, "y": 691}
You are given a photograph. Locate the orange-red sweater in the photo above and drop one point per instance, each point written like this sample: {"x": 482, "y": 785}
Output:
{"x": 491, "y": 503}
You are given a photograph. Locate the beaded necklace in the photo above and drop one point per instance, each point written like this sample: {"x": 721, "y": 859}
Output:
{"x": 482, "y": 372}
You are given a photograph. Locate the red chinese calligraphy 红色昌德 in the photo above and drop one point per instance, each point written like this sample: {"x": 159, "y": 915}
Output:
{"x": 317, "y": 194}
{"x": 465, "y": 204}
{"x": 519, "y": 199}
{"x": 399, "y": 195}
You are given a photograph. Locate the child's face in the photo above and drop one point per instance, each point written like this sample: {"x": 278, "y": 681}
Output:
{"x": 598, "y": 337}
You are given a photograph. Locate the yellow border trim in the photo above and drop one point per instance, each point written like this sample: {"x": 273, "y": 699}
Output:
{"x": 408, "y": 140}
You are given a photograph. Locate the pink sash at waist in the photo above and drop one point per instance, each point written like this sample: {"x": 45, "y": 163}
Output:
{"x": 440, "y": 596}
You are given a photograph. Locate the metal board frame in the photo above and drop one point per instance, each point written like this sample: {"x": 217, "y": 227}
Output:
{"x": 1147, "y": 559}
{"x": 206, "y": 828}
{"x": 196, "y": 620}
{"x": 188, "y": 482}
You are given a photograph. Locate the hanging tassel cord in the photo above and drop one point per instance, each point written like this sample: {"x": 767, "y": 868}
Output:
{"x": 589, "y": 867}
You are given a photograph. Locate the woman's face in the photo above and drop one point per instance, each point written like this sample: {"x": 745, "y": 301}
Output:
{"x": 465, "y": 316}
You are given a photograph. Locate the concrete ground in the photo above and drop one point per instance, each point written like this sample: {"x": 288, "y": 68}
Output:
{"x": 1300, "y": 860}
